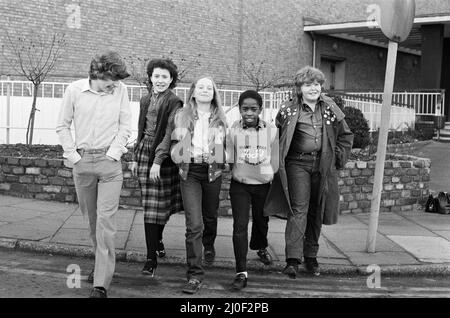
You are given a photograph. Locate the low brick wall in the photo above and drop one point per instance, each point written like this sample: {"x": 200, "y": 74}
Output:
{"x": 406, "y": 182}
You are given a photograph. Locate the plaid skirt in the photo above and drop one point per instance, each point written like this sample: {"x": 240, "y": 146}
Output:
{"x": 161, "y": 199}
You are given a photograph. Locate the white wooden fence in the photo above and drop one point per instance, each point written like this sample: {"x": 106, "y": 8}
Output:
{"x": 16, "y": 99}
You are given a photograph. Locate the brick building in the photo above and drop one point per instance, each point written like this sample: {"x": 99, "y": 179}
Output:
{"x": 226, "y": 36}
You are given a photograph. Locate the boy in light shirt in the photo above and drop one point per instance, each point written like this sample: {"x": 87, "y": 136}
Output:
{"x": 252, "y": 149}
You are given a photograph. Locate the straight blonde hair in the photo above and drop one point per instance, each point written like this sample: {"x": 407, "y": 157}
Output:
{"x": 186, "y": 117}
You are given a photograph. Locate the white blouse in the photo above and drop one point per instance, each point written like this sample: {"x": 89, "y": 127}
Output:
{"x": 200, "y": 136}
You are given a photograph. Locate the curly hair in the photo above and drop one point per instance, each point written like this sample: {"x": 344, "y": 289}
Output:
{"x": 108, "y": 65}
{"x": 308, "y": 74}
{"x": 166, "y": 64}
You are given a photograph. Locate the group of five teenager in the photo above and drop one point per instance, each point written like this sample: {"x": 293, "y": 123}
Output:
{"x": 287, "y": 170}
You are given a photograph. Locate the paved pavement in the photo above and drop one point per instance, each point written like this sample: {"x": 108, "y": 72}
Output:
{"x": 410, "y": 242}
{"x": 407, "y": 242}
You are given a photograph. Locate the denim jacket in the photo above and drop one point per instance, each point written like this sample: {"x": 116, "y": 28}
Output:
{"x": 181, "y": 149}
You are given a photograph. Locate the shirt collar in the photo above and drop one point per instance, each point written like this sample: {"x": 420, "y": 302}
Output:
{"x": 86, "y": 85}
{"x": 318, "y": 103}
{"x": 261, "y": 124}
{"x": 158, "y": 95}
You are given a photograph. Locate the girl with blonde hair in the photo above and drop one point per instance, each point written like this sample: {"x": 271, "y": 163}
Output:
{"x": 198, "y": 148}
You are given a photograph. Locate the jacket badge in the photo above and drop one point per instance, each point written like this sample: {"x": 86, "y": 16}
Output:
{"x": 329, "y": 115}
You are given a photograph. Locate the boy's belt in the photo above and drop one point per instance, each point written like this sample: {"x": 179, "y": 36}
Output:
{"x": 98, "y": 151}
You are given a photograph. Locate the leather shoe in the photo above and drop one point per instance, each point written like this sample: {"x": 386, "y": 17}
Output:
{"x": 291, "y": 271}
{"x": 192, "y": 286}
{"x": 149, "y": 268}
{"x": 209, "y": 256}
{"x": 312, "y": 266}
{"x": 264, "y": 256}
{"x": 161, "y": 252}
{"x": 240, "y": 282}
{"x": 98, "y": 292}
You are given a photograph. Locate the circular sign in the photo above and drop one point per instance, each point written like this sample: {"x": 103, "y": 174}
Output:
{"x": 397, "y": 18}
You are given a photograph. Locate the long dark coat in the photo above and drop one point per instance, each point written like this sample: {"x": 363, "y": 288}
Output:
{"x": 337, "y": 142}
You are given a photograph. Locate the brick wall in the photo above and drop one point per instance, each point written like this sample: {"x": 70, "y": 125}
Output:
{"x": 225, "y": 32}
{"x": 406, "y": 182}
{"x": 361, "y": 75}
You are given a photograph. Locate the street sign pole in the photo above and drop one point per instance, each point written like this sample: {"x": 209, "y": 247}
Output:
{"x": 396, "y": 20}
{"x": 381, "y": 148}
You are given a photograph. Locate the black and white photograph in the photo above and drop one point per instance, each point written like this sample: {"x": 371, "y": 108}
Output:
{"x": 224, "y": 157}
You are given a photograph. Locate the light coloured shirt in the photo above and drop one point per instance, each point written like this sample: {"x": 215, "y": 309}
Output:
{"x": 200, "y": 144}
{"x": 253, "y": 153}
{"x": 101, "y": 120}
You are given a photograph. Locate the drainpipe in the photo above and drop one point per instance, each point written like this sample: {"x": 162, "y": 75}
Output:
{"x": 314, "y": 48}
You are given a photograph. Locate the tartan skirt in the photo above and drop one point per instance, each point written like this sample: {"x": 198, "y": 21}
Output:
{"x": 159, "y": 199}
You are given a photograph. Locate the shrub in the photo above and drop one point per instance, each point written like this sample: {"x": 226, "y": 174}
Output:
{"x": 338, "y": 100}
{"x": 358, "y": 125}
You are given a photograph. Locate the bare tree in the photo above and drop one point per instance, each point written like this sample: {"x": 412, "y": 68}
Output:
{"x": 137, "y": 66}
{"x": 185, "y": 65}
{"x": 261, "y": 76}
{"x": 33, "y": 56}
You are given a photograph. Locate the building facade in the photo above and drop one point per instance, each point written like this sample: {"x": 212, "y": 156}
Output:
{"x": 234, "y": 39}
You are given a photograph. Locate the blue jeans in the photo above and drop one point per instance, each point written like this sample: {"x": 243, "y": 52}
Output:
{"x": 304, "y": 225}
{"x": 201, "y": 204}
{"x": 242, "y": 195}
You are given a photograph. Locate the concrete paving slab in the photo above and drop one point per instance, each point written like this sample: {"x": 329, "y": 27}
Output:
{"x": 26, "y": 231}
{"x": 179, "y": 253}
{"x": 276, "y": 243}
{"x": 224, "y": 250}
{"x": 385, "y": 217}
{"x": 136, "y": 238}
{"x": 14, "y": 214}
{"x": 333, "y": 261}
{"x": 173, "y": 237}
{"x": 177, "y": 219}
{"x": 326, "y": 249}
{"x": 426, "y": 249}
{"x": 226, "y": 226}
{"x": 81, "y": 237}
{"x": 139, "y": 218}
{"x": 277, "y": 225}
{"x": 10, "y": 201}
{"x": 47, "y": 206}
{"x": 36, "y": 228}
{"x": 349, "y": 221}
{"x": 394, "y": 224}
{"x": 381, "y": 258}
{"x": 433, "y": 222}
{"x": 124, "y": 223}
{"x": 76, "y": 222}
{"x": 354, "y": 240}
{"x": 444, "y": 234}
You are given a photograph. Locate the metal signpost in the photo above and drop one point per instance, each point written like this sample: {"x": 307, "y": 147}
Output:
{"x": 396, "y": 21}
